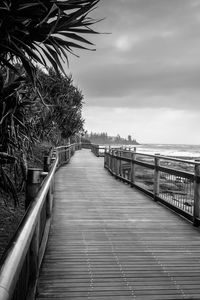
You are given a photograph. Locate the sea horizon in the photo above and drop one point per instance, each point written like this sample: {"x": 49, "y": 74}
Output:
{"x": 177, "y": 150}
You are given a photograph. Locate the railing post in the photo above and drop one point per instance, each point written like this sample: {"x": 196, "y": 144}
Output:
{"x": 114, "y": 162}
{"x": 156, "y": 177}
{"x": 111, "y": 160}
{"x": 196, "y": 211}
{"x": 46, "y": 168}
{"x": 53, "y": 156}
{"x": 105, "y": 159}
{"x": 49, "y": 199}
{"x": 120, "y": 163}
{"x": 32, "y": 185}
{"x": 34, "y": 253}
{"x": 65, "y": 154}
{"x": 46, "y": 163}
{"x": 117, "y": 163}
{"x": 67, "y": 149}
{"x": 32, "y": 188}
{"x": 69, "y": 152}
{"x": 108, "y": 159}
{"x": 133, "y": 157}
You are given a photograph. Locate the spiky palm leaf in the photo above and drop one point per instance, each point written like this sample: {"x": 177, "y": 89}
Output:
{"x": 32, "y": 32}
{"x": 43, "y": 31}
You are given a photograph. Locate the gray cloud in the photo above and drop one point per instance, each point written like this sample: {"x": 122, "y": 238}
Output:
{"x": 113, "y": 82}
{"x": 151, "y": 59}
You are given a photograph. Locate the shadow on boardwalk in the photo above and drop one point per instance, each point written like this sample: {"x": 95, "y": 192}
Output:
{"x": 109, "y": 241}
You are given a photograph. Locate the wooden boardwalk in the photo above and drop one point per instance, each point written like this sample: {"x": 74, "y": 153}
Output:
{"x": 109, "y": 241}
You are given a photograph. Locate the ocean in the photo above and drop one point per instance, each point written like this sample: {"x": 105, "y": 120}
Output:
{"x": 183, "y": 151}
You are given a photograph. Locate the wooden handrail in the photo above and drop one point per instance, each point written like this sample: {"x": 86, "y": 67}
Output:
{"x": 27, "y": 235}
{"x": 98, "y": 150}
{"x": 160, "y": 168}
{"x": 122, "y": 164}
{"x": 168, "y": 158}
{"x": 11, "y": 268}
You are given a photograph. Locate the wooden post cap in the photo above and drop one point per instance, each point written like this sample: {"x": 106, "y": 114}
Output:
{"x": 33, "y": 175}
{"x": 46, "y": 163}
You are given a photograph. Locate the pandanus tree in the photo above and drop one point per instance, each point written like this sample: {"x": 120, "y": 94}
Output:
{"x": 60, "y": 117}
{"x": 33, "y": 33}
{"x": 43, "y": 31}
{"x": 64, "y": 102}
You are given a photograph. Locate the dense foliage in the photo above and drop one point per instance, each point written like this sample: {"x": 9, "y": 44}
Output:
{"x": 36, "y": 106}
{"x": 32, "y": 121}
{"x": 58, "y": 117}
{"x": 42, "y": 31}
{"x": 104, "y": 138}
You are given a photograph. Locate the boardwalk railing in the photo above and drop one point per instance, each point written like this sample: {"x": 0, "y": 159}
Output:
{"x": 173, "y": 182}
{"x": 21, "y": 262}
{"x": 98, "y": 150}
{"x": 86, "y": 145}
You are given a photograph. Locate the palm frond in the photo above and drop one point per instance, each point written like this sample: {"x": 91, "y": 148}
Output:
{"x": 56, "y": 27}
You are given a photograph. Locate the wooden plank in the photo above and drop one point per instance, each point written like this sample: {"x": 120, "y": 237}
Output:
{"x": 109, "y": 241}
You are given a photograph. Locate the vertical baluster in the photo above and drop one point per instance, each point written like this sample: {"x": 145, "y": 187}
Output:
{"x": 65, "y": 151}
{"x": 111, "y": 160}
{"x": 133, "y": 157}
{"x": 46, "y": 163}
{"x": 49, "y": 197}
{"x": 105, "y": 159}
{"x": 32, "y": 188}
{"x": 32, "y": 185}
{"x": 117, "y": 163}
{"x": 156, "y": 176}
{"x": 34, "y": 255}
{"x": 69, "y": 153}
{"x": 120, "y": 163}
{"x": 110, "y": 153}
{"x": 113, "y": 164}
{"x": 196, "y": 211}
{"x": 62, "y": 151}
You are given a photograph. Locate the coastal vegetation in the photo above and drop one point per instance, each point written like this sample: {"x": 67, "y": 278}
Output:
{"x": 40, "y": 107}
{"x": 104, "y": 138}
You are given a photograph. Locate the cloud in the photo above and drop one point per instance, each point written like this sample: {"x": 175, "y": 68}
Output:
{"x": 149, "y": 64}
{"x": 126, "y": 42}
{"x": 143, "y": 85}
{"x": 147, "y": 125}
{"x": 151, "y": 58}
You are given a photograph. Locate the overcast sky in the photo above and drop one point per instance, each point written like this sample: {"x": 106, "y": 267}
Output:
{"x": 144, "y": 77}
